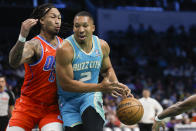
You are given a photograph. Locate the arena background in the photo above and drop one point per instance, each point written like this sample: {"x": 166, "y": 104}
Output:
{"x": 153, "y": 45}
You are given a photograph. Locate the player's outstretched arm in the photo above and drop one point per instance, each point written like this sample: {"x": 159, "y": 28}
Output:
{"x": 174, "y": 110}
{"x": 22, "y": 51}
{"x": 108, "y": 72}
{"x": 64, "y": 72}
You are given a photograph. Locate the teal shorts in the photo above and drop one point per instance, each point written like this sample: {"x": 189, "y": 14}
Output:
{"x": 71, "y": 109}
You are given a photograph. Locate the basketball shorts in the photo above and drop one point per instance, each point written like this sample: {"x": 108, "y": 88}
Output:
{"x": 27, "y": 114}
{"x": 71, "y": 110}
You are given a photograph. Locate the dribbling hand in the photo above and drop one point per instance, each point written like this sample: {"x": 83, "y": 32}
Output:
{"x": 111, "y": 87}
{"x": 126, "y": 92}
{"x": 26, "y": 26}
{"x": 157, "y": 124}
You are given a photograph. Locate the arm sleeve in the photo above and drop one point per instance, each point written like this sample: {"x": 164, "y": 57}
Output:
{"x": 11, "y": 100}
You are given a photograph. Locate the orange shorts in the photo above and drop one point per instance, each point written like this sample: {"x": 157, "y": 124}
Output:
{"x": 27, "y": 114}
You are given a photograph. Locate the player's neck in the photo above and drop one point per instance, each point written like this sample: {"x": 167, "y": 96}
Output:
{"x": 48, "y": 37}
{"x": 86, "y": 45}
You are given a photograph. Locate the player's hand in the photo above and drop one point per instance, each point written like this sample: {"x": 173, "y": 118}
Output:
{"x": 111, "y": 87}
{"x": 126, "y": 92}
{"x": 157, "y": 124}
{"x": 26, "y": 26}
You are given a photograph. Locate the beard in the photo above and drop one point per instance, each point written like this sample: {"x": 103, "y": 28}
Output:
{"x": 53, "y": 32}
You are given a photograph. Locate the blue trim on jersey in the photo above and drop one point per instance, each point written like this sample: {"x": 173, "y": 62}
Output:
{"x": 48, "y": 42}
{"x": 58, "y": 41}
{"x": 72, "y": 47}
{"x": 40, "y": 57}
{"x": 29, "y": 80}
{"x": 93, "y": 46}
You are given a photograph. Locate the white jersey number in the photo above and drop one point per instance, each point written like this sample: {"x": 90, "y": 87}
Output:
{"x": 86, "y": 76}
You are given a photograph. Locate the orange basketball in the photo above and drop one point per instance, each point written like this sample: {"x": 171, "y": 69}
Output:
{"x": 130, "y": 111}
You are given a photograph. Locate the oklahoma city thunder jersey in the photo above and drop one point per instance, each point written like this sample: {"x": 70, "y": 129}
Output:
{"x": 40, "y": 78}
{"x": 86, "y": 66}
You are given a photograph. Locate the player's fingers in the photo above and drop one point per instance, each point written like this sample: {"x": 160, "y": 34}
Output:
{"x": 119, "y": 90}
{"x": 153, "y": 127}
{"x": 163, "y": 126}
{"x": 114, "y": 84}
{"x": 128, "y": 92}
{"x": 115, "y": 94}
{"x": 33, "y": 23}
{"x": 112, "y": 94}
{"x": 131, "y": 95}
{"x": 28, "y": 21}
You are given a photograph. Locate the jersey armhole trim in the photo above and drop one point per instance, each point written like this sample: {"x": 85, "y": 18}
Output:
{"x": 73, "y": 49}
{"x": 99, "y": 45}
{"x": 40, "y": 57}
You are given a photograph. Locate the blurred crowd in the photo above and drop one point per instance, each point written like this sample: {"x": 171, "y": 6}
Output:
{"x": 162, "y": 62}
{"x": 174, "y": 5}
{"x": 168, "y": 5}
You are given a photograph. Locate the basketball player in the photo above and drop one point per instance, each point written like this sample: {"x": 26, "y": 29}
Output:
{"x": 37, "y": 104}
{"x": 174, "y": 110}
{"x": 79, "y": 60}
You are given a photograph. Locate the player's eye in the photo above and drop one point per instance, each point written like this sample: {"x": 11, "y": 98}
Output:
{"x": 85, "y": 25}
{"x": 53, "y": 16}
{"x": 77, "y": 26}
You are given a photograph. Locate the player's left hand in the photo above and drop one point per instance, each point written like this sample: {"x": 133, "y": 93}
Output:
{"x": 157, "y": 124}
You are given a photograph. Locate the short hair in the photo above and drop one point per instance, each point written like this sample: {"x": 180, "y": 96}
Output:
{"x": 3, "y": 76}
{"x": 146, "y": 89}
{"x": 38, "y": 13}
{"x": 85, "y": 13}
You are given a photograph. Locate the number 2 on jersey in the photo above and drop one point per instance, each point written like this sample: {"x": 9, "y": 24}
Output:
{"x": 85, "y": 76}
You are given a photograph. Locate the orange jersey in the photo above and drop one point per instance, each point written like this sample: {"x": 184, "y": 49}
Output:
{"x": 40, "y": 78}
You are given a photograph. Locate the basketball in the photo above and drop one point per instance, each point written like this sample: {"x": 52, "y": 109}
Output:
{"x": 130, "y": 111}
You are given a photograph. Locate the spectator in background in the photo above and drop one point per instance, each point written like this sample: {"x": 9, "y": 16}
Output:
{"x": 6, "y": 104}
{"x": 3, "y": 83}
{"x": 151, "y": 108}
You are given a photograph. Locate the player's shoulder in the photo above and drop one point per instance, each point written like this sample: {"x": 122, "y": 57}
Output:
{"x": 33, "y": 42}
{"x": 65, "y": 45}
{"x": 64, "y": 52}
{"x": 104, "y": 46}
{"x": 65, "y": 49}
{"x": 103, "y": 42}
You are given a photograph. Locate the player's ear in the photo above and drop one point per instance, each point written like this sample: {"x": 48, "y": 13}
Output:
{"x": 93, "y": 28}
{"x": 41, "y": 20}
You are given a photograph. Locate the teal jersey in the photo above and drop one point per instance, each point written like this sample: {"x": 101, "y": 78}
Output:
{"x": 86, "y": 66}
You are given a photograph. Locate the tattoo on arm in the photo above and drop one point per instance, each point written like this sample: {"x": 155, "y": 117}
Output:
{"x": 15, "y": 54}
{"x": 20, "y": 53}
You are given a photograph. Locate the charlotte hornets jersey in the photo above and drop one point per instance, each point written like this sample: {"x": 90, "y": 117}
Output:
{"x": 86, "y": 66}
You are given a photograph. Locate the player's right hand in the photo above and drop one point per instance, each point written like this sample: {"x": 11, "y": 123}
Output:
{"x": 157, "y": 124}
{"x": 111, "y": 87}
{"x": 26, "y": 26}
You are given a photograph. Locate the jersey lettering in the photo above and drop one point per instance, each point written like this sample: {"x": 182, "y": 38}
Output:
{"x": 49, "y": 65}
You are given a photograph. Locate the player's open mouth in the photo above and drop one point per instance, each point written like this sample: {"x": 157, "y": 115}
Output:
{"x": 82, "y": 37}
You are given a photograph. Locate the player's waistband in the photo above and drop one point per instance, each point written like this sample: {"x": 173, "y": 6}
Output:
{"x": 26, "y": 98}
